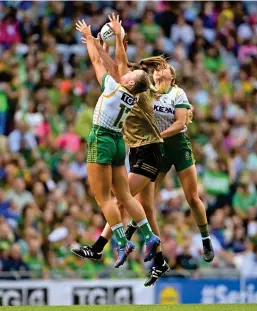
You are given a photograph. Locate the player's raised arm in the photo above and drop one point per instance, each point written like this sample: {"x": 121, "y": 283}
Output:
{"x": 107, "y": 61}
{"x": 120, "y": 52}
{"x": 94, "y": 55}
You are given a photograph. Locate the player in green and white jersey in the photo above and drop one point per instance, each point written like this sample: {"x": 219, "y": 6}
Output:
{"x": 106, "y": 149}
{"x": 173, "y": 112}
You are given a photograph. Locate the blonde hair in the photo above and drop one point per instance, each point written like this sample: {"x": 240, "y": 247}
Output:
{"x": 149, "y": 63}
{"x": 152, "y": 63}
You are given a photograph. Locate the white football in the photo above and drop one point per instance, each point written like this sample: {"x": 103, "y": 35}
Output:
{"x": 108, "y": 35}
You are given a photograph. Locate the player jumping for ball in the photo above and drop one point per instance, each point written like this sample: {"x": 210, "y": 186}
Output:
{"x": 181, "y": 149}
{"x": 106, "y": 149}
{"x": 143, "y": 137}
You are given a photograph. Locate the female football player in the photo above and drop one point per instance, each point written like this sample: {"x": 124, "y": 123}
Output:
{"x": 171, "y": 114}
{"x": 143, "y": 138}
{"x": 106, "y": 149}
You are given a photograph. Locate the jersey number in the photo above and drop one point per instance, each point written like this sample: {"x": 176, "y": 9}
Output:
{"x": 123, "y": 109}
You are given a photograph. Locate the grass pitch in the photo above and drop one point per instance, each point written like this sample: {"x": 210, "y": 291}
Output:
{"x": 220, "y": 307}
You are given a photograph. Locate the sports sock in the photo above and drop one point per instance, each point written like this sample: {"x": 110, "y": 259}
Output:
{"x": 145, "y": 228}
{"x": 158, "y": 259}
{"x": 204, "y": 230}
{"x": 133, "y": 223}
{"x": 119, "y": 233}
{"x": 99, "y": 245}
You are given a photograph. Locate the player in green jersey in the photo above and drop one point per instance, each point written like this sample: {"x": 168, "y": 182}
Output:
{"x": 142, "y": 136}
{"x": 106, "y": 149}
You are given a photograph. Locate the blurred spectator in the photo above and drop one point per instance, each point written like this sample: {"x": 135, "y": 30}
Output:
{"x": 21, "y": 139}
{"x": 185, "y": 259}
{"x": 3, "y": 107}
{"x": 249, "y": 260}
{"x": 9, "y": 29}
{"x": 244, "y": 199}
{"x": 78, "y": 166}
{"x": 68, "y": 141}
{"x": 149, "y": 28}
{"x": 181, "y": 31}
{"x": 34, "y": 258}
{"x": 6, "y": 235}
{"x": 19, "y": 195}
{"x": 14, "y": 262}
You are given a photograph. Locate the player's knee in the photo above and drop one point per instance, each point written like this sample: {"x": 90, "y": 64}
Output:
{"x": 103, "y": 203}
{"x": 193, "y": 200}
{"x": 123, "y": 198}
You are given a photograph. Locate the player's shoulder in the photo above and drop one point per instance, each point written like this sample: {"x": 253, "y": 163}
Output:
{"x": 108, "y": 84}
{"x": 181, "y": 98}
{"x": 179, "y": 90}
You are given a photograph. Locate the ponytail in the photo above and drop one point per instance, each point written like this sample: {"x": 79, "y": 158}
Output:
{"x": 149, "y": 63}
{"x": 154, "y": 93}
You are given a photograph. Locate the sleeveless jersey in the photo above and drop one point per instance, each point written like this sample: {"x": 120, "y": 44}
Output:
{"x": 113, "y": 106}
{"x": 164, "y": 107}
{"x": 140, "y": 127}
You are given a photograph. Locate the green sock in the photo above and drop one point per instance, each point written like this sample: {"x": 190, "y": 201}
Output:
{"x": 119, "y": 233}
{"x": 145, "y": 228}
{"x": 133, "y": 223}
{"x": 204, "y": 230}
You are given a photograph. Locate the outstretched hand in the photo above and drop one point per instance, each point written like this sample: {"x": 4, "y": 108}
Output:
{"x": 85, "y": 29}
{"x": 115, "y": 23}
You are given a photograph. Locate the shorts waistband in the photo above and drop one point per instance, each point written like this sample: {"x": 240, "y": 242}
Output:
{"x": 107, "y": 130}
{"x": 175, "y": 137}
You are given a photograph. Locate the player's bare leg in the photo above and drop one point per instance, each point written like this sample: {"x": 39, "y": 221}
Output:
{"x": 100, "y": 179}
{"x": 188, "y": 179}
{"x": 135, "y": 209}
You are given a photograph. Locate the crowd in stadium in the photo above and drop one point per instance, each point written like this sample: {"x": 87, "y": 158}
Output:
{"x": 47, "y": 96}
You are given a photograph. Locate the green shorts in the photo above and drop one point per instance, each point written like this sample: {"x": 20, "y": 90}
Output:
{"x": 105, "y": 147}
{"x": 177, "y": 151}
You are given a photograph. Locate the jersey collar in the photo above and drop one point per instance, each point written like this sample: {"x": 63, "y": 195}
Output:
{"x": 168, "y": 90}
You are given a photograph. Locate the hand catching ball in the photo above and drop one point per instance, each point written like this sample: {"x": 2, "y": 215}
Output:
{"x": 108, "y": 36}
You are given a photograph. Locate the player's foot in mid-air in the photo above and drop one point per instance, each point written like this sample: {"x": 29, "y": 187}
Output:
{"x": 123, "y": 253}
{"x": 208, "y": 252}
{"x": 85, "y": 252}
{"x": 156, "y": 272}
{"x": 151, "y": 247}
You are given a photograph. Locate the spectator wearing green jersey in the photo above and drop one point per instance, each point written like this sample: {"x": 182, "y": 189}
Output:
{"x": 244, "y": 199}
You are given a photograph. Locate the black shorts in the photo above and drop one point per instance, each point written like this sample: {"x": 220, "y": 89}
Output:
{"x": 145, "y": 160}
